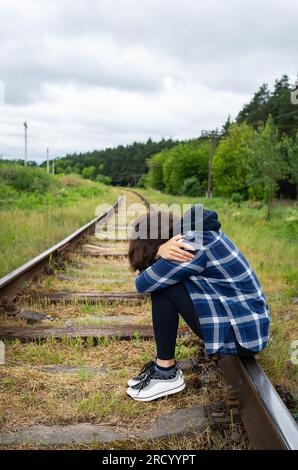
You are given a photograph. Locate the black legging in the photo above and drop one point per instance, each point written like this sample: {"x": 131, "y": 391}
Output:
{"x": 167, "y": 303}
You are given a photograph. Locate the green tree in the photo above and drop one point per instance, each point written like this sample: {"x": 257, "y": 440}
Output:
{"x": 184, "y": 161}
{"x": 267, "y": 164}
{"x": 257, "y": 110}
{"x": 291, "y": 150}
{"x": 283, "y": 111}
{"x": 155, "y": 174}
{"x": 191, "y": 187}
{"x": 231, "y": 163}
{"x": 125, "y": 165}
{"x": 277, "y": 104}
{"x": 89, "y": 172}
{"x": 143, "y": 182}
{"x": 226, "y": 126}
{"x": 103, "y": 179}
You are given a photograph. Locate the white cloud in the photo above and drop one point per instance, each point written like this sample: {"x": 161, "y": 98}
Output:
{"x": 92, "y": 73}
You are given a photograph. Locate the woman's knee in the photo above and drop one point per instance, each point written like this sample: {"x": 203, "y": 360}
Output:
{"x": 157, "y": 294}
{"x": 165, "y": 292}
{"x": 173, "y": 291}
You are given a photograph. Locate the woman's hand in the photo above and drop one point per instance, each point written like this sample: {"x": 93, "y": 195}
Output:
{"x": 174, "y": 250}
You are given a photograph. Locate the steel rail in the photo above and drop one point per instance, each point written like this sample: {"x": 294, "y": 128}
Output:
{"x": 265, "y": 417}
{"x": 13, "y": 282}
{"x": 145, "y": 201}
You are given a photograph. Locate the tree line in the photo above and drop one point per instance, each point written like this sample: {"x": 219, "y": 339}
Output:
{"x": 121, "y": 165}
{"x": 256, "y": 157}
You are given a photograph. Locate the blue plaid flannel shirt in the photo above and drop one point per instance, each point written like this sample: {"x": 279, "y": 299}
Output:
{"x": 225, "y": 291}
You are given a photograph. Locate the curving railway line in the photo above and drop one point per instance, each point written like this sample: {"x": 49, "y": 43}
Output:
{"x": 250, "y": 395}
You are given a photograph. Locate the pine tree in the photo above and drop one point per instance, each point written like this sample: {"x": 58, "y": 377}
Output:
{"x": 283, "y": 111}
{"x": 257, "y": 110}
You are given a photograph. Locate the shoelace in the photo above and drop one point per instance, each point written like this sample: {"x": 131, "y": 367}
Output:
{"x": 154, "y": 374}
{"x": 149, "y": 365}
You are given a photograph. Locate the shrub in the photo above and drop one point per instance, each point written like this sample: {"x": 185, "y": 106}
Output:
{"x": 7, "y": 193}
{"x": 29, "y": 179}
{"x": 103, "y": 179}
{"x": 89, "y": 172}
{"x": 143, "y": 182}
{"x": 237, "y": 198}
{"x": 192, "y": 187}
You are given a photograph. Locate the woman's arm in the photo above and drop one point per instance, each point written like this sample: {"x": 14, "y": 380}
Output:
{"x": 164, "y": 273}
{"x": 175, "y": 250}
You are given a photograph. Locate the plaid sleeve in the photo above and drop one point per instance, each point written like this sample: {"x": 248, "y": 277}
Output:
{"x": 164, "y": 273}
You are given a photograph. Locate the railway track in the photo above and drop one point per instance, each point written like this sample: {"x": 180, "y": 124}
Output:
{"x": 81, "y": 290}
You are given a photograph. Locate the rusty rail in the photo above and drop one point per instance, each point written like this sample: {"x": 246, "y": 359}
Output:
{"x": 14, "y": 281}
{"x": 145, "y": 201}
{"x": 267, "y": 421}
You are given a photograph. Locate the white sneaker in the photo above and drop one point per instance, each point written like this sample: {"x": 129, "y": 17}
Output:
{"x": 138, "y": 378}
{"x": 156, "y": 385}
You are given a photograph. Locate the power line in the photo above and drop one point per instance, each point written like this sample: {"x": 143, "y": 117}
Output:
{"x": 40, "y": 156}
{"x": 6, "y": 134}
{"x": 295, "y": 111}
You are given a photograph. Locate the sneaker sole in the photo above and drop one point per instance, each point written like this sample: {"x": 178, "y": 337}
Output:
{"x": 159, "y": 395}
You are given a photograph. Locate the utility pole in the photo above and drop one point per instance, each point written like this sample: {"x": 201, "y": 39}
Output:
{"x": 48, "y": 161}
{"x": 26, "y": 141}
{"x": 213, "y": 136}
{"x": 53, "y": 166}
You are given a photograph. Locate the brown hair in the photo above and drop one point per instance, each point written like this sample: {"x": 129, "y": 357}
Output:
{"x": 149, "y": 234}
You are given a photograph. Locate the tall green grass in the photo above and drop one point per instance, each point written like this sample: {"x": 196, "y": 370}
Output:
{"x": 32, "y": 221}
{"x": 33, "y": 188}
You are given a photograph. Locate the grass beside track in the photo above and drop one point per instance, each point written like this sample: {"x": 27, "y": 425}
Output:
{"x": 27, "y": 231}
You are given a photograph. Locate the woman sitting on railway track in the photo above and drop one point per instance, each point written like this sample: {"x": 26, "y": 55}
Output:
{"x": 211, "y": 284}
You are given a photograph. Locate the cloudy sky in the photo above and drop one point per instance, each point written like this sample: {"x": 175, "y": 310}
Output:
{"x": 89, "y": 74}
